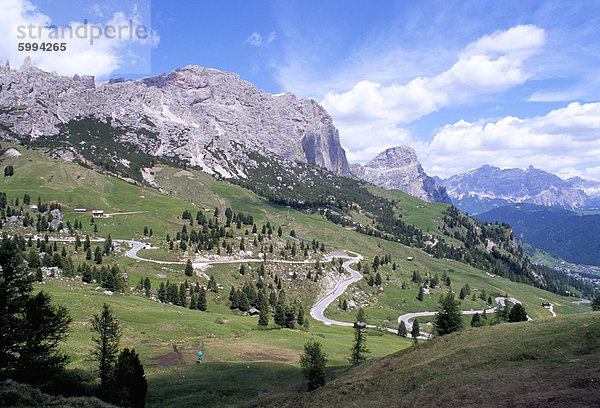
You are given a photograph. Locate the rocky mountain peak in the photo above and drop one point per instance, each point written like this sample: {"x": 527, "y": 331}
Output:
{"x": 394, "y": 157}
{"x": 399, "y": 168}
{"x": 203, "y": 116}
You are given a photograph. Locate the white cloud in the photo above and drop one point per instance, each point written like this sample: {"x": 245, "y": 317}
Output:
{"x": 493, "y": 63}
{"x": 258, "y": 40}
{"x": 561, "y": 142}
{"x": 84, "y": 55}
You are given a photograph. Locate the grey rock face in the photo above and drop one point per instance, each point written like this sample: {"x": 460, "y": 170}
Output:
{"x": 193, "y": 111}
{"x": 489, "y": 187}
{"x": 398, "y": 168}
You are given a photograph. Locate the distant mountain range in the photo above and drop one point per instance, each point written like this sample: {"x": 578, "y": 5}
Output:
{"x": 573, "y": 237}
{"x": 488, "y": 187}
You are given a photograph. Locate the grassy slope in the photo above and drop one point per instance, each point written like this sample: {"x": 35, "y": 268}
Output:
{"x": 155, "y": 328}
{"x": 545, "y": 363}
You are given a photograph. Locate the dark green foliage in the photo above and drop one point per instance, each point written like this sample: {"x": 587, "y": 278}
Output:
{"x": 107, "y": 334}
{"x": 182, "y": 296}
{"x": 359, "y": 347}
{"x": 448, "y": 318}
{"x": 9, "y": 171}
{"x": 313, "y": 362}
{"x": 189, "y": 269}
{"x": 162, "y": 292}
{"x": 130, "y": 380}
{"x": 194, "y": 301}
{"x": 476, "y": 320}
{"x": 402, "y": 329}
{"x": 517, "y": 314}
{"x": 202, "y": 299}
{"x": 416, "y": 330}
{"x": 596, "y": 303}
{"x": 98, "y": 255}
{"x": 31, "y": 325}
{"x": 420, "y": 294}
{"x": 263, "y": 318}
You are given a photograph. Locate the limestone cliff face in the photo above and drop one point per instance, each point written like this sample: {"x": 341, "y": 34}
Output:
{"x": 398, "y": 168}
{"x": 200, "y": 115}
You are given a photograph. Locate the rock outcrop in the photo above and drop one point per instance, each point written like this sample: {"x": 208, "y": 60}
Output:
{"x": 200, "y": 115}
{"x": 398, "y": 168}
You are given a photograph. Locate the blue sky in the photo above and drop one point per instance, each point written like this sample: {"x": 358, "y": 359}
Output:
{"x": 466, "y": 83}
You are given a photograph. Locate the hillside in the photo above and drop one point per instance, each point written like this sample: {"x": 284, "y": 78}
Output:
{"x": 567, "y": 234}
{"x": 546, "y": 363}
{"x": 168, "y": 334}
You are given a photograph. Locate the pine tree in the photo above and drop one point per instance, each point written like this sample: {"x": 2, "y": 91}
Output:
{"x": 189, "y": 268}
{"x": 415, "y": 331}
{"x": 162, "y": 293}
{"x": 313, "y": 362}
{"x": 402, "y": 329}
{"x": 202, "y": 299}
{"x": 108, "y": 334}
{"x": 448, "y": 318}
{"x": 244, "y": 303}
{"x": 194, "y": 301}
{"x": 98, "y": 255}
{"x": 301, "y": 317}
{"x": 172, "y": 293}
{"x": 476, "y": 320}
{"x": 359, "y": 348}
{"x": 263, "y": 317}
{"x": 596, "y": 303}
{"x": 31, "y": 325}
{"x": 420, "y": 294}
{"x": 147, "y": 286}
{"x": 517, "y": 314}
{"x": 129, "y": 379}
{"x": 182, "y": 298}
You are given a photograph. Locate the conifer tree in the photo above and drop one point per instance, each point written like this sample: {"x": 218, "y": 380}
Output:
{"x": 202, "y": 299}
{"x": 448, "y": 318}
{"x": 402, "y": 329}
{"x": 313, "y": 362}
{"x": 107, "y": 336}
{"x": 415, "y": 331}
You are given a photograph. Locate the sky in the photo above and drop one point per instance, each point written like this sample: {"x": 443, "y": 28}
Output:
{"x": 465, "y": 83}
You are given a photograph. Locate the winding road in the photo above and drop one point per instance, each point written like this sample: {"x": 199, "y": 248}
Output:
{"x": 318, "y": 309}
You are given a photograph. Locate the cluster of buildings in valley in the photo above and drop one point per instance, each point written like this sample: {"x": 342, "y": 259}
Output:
{"x": 592, "y": 274}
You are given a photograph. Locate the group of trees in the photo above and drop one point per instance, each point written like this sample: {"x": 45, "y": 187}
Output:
{"x": 314, "y": 361}
{"x": 186, "y": 295}
{"x": 275, "y": 305}
{"x": 32, "y": 326}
